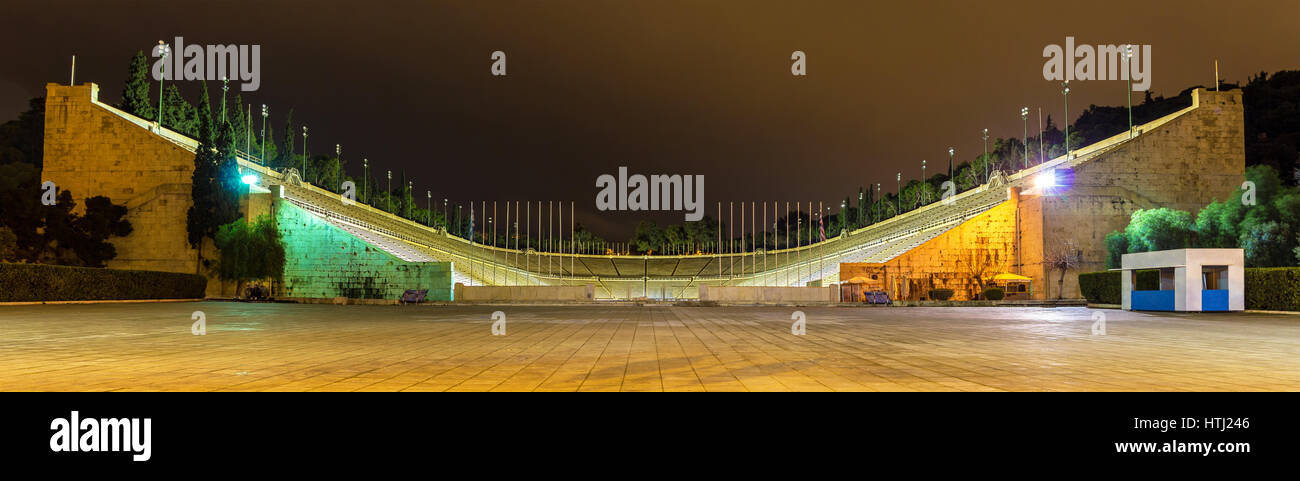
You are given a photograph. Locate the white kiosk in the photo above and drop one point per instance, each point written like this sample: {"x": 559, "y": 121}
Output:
{"x": 1219, "y": 287}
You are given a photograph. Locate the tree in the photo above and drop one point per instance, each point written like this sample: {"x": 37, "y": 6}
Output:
{"x": 22, "y": 140}
{"x": 136, "y": 99}
{"x": 214, "y": 187}
{"x": 8, "y": 244}
{"x": 1064, "y": 257}
{"x": 178, "y": 115}
{"x": 648, "y": 238}
{"x": 1116, "y": 247}
{"x": 102, "y": 220}
{"x": 249, "y": 251}
{"x": 287, "y": 159}
{"x": 1160, "y": 229}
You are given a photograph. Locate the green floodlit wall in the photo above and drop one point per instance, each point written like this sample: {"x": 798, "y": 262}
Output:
{"x": 324, "y": 261}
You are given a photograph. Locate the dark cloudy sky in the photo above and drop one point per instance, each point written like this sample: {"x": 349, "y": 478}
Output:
{"x": 699, "y": 87}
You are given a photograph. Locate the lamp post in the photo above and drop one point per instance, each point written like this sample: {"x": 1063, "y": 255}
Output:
{"x": 951, "y": 174}
{"x": 1128, "y": 66}
{"x": 877, "y": 218}
{"x": 265, "y": 113}
{"x": 1024, "y": 115}
{"x": 1066, "y": 92}
{"x": 924, "y": 195}
{"x": 225, "y": 86}
{"x": 410, "y": 197}
{"x": 164, "y": 50}
{"x": 365, "y": 180}
{"x": 899, "y": 180}
{"x": 445, "y": 224}
{"x": 986, "y": 155}
{"x": 304, "y": 153}
{"x": 390, "y": 191}
{"x": 428, "y": 215}
{"x": 338, "y": 165}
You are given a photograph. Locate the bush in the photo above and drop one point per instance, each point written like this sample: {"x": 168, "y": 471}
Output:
{"x": 994, "y": 293}
{"x": 42, "y": 282}
{"x": 1104, "y": 287}
{"x": 941, "y": 294}
{"x": 1273, "y": 288}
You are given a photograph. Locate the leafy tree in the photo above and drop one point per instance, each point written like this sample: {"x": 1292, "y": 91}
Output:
{"x": 1116, "y": 247}
{"x": 178, "y": 114}
{"x": 249, "y": 251}
{"x": 22, "y": 139}
{"x": 1160, "y": 229}
{"x": 8, "y": 244}
{"x": 648, "y": 238}
{"x": 136, "y": 99}
{"x": 101, "y": 220}
{"x": 215, "y": 187}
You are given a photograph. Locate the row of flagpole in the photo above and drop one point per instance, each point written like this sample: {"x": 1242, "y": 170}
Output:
{"x": 551, "y": 245}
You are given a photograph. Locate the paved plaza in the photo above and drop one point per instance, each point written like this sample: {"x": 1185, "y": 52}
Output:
{"x": 278, "y": 347}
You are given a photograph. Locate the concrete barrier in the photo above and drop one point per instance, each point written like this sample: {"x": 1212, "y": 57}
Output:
{"x": 466, "y": 293}
{"x": 769, "y": 295}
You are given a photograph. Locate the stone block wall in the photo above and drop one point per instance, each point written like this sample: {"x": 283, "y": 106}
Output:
{"x": 1184, "y": 164}
{"x": 324, "y": 261}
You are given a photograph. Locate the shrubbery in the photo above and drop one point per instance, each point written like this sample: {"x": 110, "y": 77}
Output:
{"x": 1267, "y": 288}
{"x": 1273, "y": 289}
{"x": 41, "y": 282}
{"x": 994, "y": 293}
{"x": 941, "y": 294}
{"x": 1104, "y": 287}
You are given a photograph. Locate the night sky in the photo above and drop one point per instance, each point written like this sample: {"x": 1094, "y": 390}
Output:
{"x": 660, "y": 87}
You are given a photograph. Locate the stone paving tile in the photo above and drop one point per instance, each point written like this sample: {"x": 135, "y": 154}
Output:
{"x": 288, "y": 347}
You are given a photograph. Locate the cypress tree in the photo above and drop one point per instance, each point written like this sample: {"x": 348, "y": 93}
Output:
{"x": 136, "y": 99}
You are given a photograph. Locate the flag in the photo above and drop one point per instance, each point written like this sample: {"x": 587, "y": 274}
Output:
{"x": 821, "y": 227}
{"x": 471, "y": 222}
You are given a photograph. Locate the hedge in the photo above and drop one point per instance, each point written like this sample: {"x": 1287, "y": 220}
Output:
{"x": 941, "y": 294}
{"x": 994, "y": 293}
{"x": 41, "y": 282}
{"x": 1273, "y": 288}
{"x": 1104, "y": 287}
{"x": 1267, "y": 288}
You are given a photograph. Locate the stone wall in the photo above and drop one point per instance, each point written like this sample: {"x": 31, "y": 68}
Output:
{"x": 324, "y": 261}
{"x": 979, "y": 248}
{"x": 769, "y": 295}
{"x": 1184, "y": 164}
{"x": 525, "y": 293}
{"x": 92, "y": 151}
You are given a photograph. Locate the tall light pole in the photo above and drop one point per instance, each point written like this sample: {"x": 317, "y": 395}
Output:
{"x": 390, "y": 191}
{"x": 1066, "y": 92}
{"x": 428, "y": 214}
{"x": 304, "y": 153}
{"x": 951, "y": 175}
{"x": 1128, "y": 66}
{"x": 899, "y": 180}
{"x": 164, "y": 50}
{"x": 877, "y": 218}
{"x": 924, "y": 195}
{"x": 225, "y": 86}
{"x": 1024, "y": 115}
{"x": 265, "y": 113}
{"x": 338, "y": 165}
{"x": 410, "y": 196}
{"x": 365, "y": 179}
{"x": 445, "y": 224}
{"x": 986, "y": 155}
